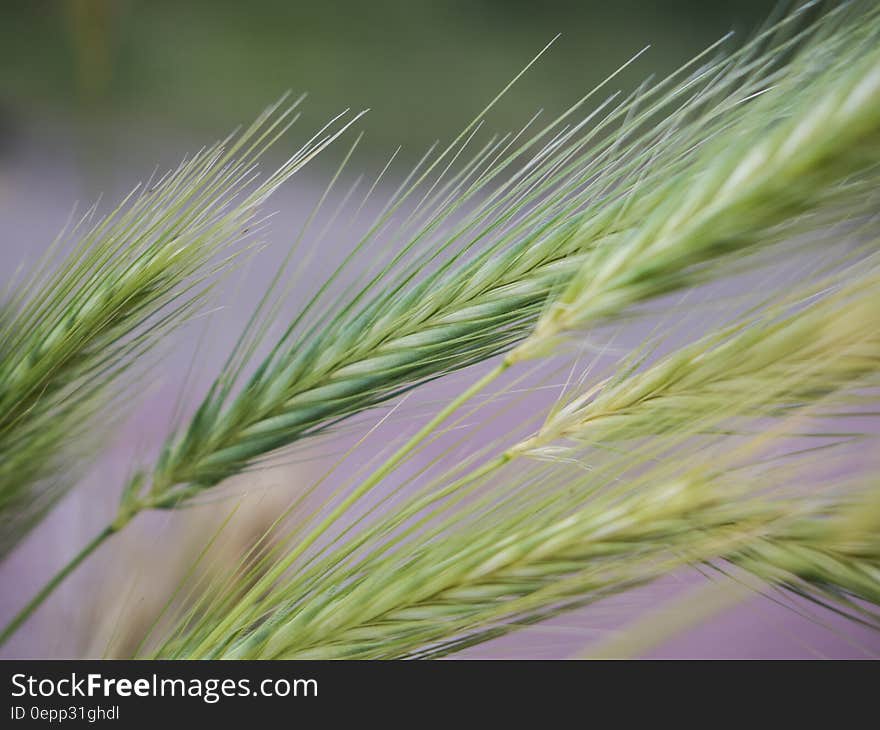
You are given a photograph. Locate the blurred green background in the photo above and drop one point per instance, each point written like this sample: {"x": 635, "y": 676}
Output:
{"x": 199, "y": 67}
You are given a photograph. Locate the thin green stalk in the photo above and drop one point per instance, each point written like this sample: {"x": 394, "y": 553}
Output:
{"x": 56, "y": 580}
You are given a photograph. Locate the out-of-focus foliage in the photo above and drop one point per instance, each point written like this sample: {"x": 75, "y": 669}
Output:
{"x": 211, "y": 62}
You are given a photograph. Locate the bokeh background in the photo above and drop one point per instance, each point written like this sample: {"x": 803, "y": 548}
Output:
{"x": 94, "y": 94}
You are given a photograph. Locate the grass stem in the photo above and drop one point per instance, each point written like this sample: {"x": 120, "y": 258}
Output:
{"x": 56, "y": 580}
